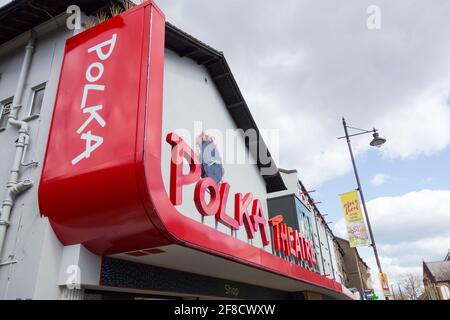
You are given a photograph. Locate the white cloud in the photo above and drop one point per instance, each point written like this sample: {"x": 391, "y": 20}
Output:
{"x": 315, "y": 61}
{"x": 340, "y": 230}
{"x": 380, "y": 179}
{"x": 419, "y": 126}
{"x": 408, "y": 229}
{"x": 394, "y": 268}
{"x": 412, "y": 216}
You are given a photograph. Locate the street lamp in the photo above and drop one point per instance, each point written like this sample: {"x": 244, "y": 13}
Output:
{"x": 376, "y": 142}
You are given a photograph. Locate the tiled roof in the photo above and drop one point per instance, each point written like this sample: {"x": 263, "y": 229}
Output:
{"x": 440, "y": 270}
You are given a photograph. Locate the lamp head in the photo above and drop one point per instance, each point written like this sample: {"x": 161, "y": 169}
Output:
{"x": 377, "y": 140}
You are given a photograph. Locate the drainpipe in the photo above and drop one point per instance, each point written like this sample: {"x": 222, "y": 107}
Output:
{"x": 17, "y": 100}
{"x": 14, "y": 187}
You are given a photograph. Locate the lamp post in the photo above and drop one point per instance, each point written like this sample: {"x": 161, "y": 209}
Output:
{"x": 376, "y": 142}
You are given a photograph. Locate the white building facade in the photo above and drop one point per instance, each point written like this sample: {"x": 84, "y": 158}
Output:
{"x": 60, "y": 240}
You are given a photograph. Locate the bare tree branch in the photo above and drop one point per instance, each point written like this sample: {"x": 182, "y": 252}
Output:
{"x": 411, "y": 286}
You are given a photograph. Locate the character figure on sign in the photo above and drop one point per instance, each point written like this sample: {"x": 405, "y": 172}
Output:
{"x": 209, "y": 157}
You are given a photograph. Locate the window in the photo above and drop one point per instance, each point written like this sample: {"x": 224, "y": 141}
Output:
{"x": 36, "y": 101}
{"x": 5, "y": 110}
{"x": 445, "y": 292}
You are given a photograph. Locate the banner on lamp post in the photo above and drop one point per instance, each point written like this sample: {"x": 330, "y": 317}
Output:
{"x": 384, "y": 282}
{"x": 356, "y": 228}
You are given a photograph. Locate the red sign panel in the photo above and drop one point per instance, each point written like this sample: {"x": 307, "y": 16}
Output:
{"x": 102, "y": 184}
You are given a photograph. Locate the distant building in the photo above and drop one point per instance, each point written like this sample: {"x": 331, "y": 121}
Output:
{"x": 436, "y": 279}
{"x": 340, "y": 265}
{"x": 357, "y": 271}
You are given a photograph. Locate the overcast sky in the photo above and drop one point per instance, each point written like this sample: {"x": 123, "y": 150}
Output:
{"x": 304, "y": 64}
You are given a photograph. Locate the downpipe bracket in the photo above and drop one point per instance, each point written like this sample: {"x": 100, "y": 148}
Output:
{"x": 21, "y": 187}
{"x": 31, "y": 163}
{"x": 8, "y": 261}
{"x": 4, "y": 223}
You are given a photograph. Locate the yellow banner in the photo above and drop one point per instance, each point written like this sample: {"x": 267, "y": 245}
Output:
{"x": 384, "y": 282}
{"x": 356, "y": 228}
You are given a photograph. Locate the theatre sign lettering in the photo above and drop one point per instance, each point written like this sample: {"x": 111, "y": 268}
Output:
{"x": 248, "y": 212}
{"x": 117, "y": 197}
